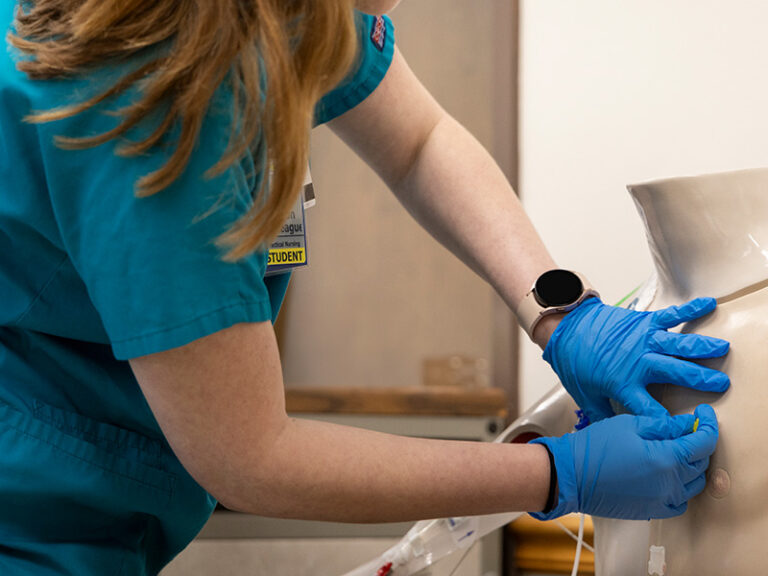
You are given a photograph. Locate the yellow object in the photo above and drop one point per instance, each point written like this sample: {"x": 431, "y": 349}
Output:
{"x": 695, "y": 424}
{"x": 281, "y": 256}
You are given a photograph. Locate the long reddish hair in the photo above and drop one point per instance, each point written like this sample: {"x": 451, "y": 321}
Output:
{"x": 303, "y": 48}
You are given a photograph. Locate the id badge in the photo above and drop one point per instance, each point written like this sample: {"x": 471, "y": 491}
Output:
{"x": 289, "y": 250}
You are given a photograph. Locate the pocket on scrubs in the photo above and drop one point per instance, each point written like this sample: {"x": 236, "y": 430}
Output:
{"x": 77, "y": 496}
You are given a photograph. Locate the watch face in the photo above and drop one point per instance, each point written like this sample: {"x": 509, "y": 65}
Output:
{"x": 558, "y": 288}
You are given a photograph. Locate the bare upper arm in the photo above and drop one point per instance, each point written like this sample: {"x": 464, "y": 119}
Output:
{"x": 388, "y": 129}
{"x": 219, "y": 401}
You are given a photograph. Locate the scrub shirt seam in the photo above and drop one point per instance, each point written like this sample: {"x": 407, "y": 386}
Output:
{"x": 141, "y": 444}
{"x": 42, "y": 290}
{"x": 357, "y": 93}
{"x": 360, "y": 89}
{"x": 168, "y": 493}
{"x": 124, "y": 341}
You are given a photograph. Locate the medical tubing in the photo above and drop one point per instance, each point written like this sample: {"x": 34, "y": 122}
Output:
{"x": 573, "y": 536}
{"x": 579, "y": 544}
{"x": 431, "y": 540}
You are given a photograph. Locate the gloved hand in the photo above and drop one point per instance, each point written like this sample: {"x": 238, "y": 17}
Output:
{"x": 632, "y": 467}
{"x": 601, "y": 352}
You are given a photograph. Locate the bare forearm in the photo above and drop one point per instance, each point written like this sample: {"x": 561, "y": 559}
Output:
{"x": 458, "y": 193}
{"x": 321, "y": 471}
{"x": 448, "y": 182}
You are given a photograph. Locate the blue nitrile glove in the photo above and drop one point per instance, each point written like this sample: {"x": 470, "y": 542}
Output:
{"x": 632, "y": 467}
{"x": 601, "y": 352}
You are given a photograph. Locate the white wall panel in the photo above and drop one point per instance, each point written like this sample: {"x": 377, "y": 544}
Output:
{"x": 618, "y": 91}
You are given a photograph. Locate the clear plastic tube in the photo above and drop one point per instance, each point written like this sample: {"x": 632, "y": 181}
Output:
{"x": 575, "y": 537}
{"x": 579, "y": 544}
{"x": 431, "y": 540}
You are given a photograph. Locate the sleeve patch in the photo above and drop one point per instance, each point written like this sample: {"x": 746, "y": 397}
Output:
{"x": 379, "y": 33}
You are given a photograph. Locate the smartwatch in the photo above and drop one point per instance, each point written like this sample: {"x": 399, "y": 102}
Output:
{"x": 553, "y": 292}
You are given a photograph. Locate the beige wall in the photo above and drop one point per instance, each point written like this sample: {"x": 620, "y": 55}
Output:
{"x": 380, "y": 294}
{"x": 621, "y": 91}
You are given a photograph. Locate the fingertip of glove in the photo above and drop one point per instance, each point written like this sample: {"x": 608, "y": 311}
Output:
{"x": 704, "y": 411}
{"x": 706, "y": 417}
{"x": 693, "y": 309}
{"x": 717, "y": 382}
{"x": 704, "y": 303}
{"x": 720, "y": 345}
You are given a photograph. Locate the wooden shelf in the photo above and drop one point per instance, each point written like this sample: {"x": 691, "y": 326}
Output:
{"x": 544, "y": 547}
{"x": 422, "y": 400}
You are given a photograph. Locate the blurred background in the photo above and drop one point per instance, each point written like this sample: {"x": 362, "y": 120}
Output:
{"x": 575, "y": 99}
{"x": 380, "y": 295}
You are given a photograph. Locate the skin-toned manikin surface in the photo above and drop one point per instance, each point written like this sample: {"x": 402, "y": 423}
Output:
{"x": 724, "y": 528}
{"x": 709, "y": 237}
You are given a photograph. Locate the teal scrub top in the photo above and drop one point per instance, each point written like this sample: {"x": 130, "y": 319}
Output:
{"x": 91, "y": 275}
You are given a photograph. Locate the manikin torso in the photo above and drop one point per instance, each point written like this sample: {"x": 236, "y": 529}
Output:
{"x": 709, "y": 237}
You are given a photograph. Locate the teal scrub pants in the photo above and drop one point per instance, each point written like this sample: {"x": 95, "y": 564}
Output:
{"x": 83, "y": 498}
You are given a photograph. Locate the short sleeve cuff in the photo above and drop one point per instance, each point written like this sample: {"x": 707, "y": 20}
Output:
{"x": 377, "y": 48}
{"x": 175, "y": 336}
